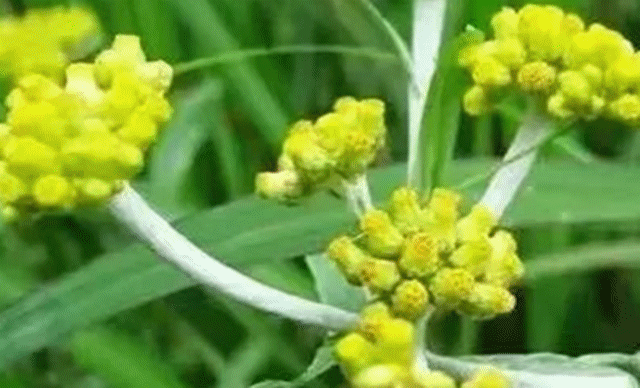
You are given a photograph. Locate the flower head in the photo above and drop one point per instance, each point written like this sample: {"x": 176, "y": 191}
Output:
{"x": 78, "y": 143}
{"x": 342, "y": 143}
{"x": 26, "y": 48}
{"x": 439, "y": 258}
{"x": 578, "y": 71}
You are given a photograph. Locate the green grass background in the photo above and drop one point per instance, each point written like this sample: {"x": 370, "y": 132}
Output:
{"x": 65, "y": 321}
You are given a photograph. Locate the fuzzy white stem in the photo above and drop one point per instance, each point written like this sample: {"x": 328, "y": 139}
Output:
{"x": 352, "y": 198}
{"x": 362, "y": 186}
{"x": 505, "y": 183}
{"x": 428, "y": 19}
{"x": 129, "y": 208}
{"x": 420, "y": 362}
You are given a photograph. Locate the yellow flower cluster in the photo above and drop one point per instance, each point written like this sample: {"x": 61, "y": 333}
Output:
{"x": 340, "y": 144}
{"x": 379, "y": 354}
{"x": 578, "y": 71}
{"x": 63, "y": 146}
{"x": 43, "y": 40}
{"x": 412, "y": 257}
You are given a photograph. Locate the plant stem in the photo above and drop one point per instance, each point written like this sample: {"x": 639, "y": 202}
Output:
{"x": 240, "y": 55}
{"x": 428, "y": 19}
{"x": 130, "y": 209}
{"x": 420, "y": 361}
{"x": 535, "y": 128}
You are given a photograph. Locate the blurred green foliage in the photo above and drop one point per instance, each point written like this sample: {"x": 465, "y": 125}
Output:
{"x": 84, "y": 306}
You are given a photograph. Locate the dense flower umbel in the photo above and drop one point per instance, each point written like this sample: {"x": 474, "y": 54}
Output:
{"x": 340, "y": 144}
{"x": 379, "y": 354}
{"x": 43, "y": 40}
{"x": 412, "y": 257}
{"x": 578, "y": 71}
{"x": 63, "y": 146}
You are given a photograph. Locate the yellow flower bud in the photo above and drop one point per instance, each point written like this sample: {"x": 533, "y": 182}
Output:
{"x": 451, "y": 286}
{"x": 381, "y": 376}
{"x": 575, "y": 88}
{"x": 53, "y": 191}
{"x": 410, "y": 299}
{"x": 476, "y": 101}
{"x": 536, "y": 76}
{"x": 405, "y": 210}
{"x": 12, "y": 188}
{"x": 434, "y": 379}
{"x": 441, "y": 216}
{"x": 598, "y": 45}
{"x": 302, "y": 147}
{"x": 626, "y": 108}
{"x": 472, "y": 255}
{"x": 92, "y": 190}
{"x": 504, "y": 266}
{"x": 505, "y": 23}
{"x": 488, "y": 71}
{"x": 140, "y": 130}
{"x": 332, "y": 131}
{"x": 354, "y": 353}
{"x": 558, "y": 107}
{"x": 420, "y": 256}
{"x": 282, "y": 185}
{"x": 540, "y": 29}
{"x": 372, "y": 317}
{"x": 379, "y": 275}
{"x": 510, "y": 52}
{"x": 383, "y": 238}
{"x": 395, "y": 342}
{"x": 487, "y": 301}
{"x": 623, "y": 75}
{"x": 488, "y": 377}
{"x": 348, "y": 257}
{"x": 477, "y": 224}
{"x": 28, "y": 158}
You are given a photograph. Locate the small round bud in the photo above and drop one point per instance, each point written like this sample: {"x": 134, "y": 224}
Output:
{"x": 488, "y": 377}
{"x": 282, "y": 185}
{"x": 348, "y": 257}
{"x": 420, "y": 256}
{"x": 405, "y": 211}
{"x": 383, "y": 238}
{"x": 504, "y": 266}
{"x": 477, "y": 224}
{"x": 557, "y": 107}
{"x": 476, "y": 101}
{"x": 433, "y": 379}
{"x": 354, "y": 352}
{"x": 536, "y": 76}
{"x": 381, "y": 376}
{"x": 395, "y": 341}
{"x": 52, "y": 191}
{"x": 623, "y": 75}
{"x": 410, "y": 299}
{"x": 472, "y": 256}
{"x": 505, "y": 23}
{"x": 626, "y": 108}
{"x": 372, "y": 318}
{"x": 510, "y": 52}
{"x": 441, "y": 216}
{"x": 451, "y": 286}
{"x": 486, "y": 301}
{"x": 379, "y": 275}
{"x": 488, "y": 71}
{"x": 332, "y": 130}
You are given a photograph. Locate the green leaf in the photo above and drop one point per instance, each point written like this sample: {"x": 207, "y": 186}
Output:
{"x": 252, "y": 231}
{"x": 121, "y": 360}
{"x": 441, "y": 120}
{"x": 322, "y": 362}
{"x": 331, "y": 285}
{"x": 547, "y": 370}
{"x": 210, "y": 32}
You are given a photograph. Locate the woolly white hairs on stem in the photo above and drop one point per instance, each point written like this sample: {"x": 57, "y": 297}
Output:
{"x": 129, "y": 208}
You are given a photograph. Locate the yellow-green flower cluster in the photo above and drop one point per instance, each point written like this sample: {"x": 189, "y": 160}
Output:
{"x": 340, "y": 144}
{"x": 43, "y": 40}
{"x": 412, "y": 257}
{"x": 73, "y": 144}
{"x": 379, "y": 354}
{"x": 577, "y": 71}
